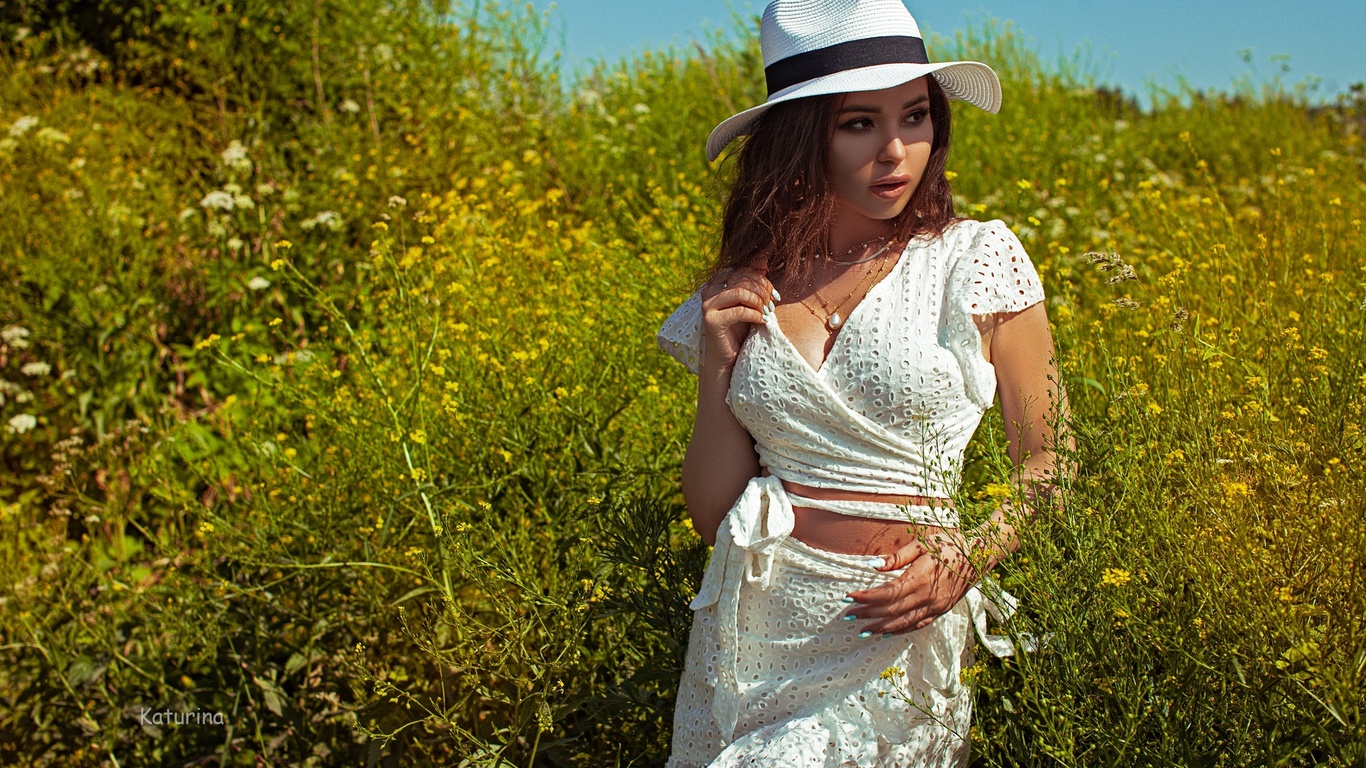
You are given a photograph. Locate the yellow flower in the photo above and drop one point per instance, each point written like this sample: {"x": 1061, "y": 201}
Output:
{"x": 891, "y": 672}
{"x": 275, "y": 322}
{"x": 1115, "y": 577}
{"x": 419, "y": 436}
{"x": 283, "y": 245}
{"x": 206, "y": 342}
{"x": 277, "y": 264}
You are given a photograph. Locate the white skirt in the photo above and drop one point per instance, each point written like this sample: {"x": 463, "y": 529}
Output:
{"x": 774, "y": 678}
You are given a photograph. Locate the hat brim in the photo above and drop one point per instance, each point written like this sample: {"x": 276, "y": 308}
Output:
{"x": 968, "y": 81}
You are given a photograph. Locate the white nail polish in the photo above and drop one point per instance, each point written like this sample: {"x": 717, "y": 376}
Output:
{"x": 776, "y": 297}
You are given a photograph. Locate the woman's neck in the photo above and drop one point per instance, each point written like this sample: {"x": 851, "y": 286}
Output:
{"x": 846, "y": 236}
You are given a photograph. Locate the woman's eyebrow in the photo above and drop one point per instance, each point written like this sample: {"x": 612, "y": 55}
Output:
{"x": 864, "y": 108}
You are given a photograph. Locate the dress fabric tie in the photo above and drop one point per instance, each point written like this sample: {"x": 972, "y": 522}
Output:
{"x": 747, "y": 543}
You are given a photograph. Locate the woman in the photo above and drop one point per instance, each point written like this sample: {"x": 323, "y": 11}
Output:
{"x": 851, "y": 338}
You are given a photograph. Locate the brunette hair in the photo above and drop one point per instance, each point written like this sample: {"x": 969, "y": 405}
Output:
{"x": 780, "y": 204}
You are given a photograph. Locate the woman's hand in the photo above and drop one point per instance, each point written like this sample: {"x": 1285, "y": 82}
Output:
{"x": 730, "y": 303}
{"x": 938, "y": 574}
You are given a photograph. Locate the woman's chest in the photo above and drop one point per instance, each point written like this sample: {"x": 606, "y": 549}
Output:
{"x": 890, "y": 363}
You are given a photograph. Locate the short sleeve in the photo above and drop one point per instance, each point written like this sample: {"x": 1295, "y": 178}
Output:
{"x": 681, "y": 334}
{"x": 1004, "y": 278}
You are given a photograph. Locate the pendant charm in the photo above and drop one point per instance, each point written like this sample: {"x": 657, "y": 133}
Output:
{"x": 835, "y": 321}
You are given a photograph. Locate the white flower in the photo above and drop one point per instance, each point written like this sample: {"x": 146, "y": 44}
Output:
{"x": 16, "y": 336}
{"x": 641, "y": 108}
{"x": 397, "y": 202}
{"x": 328, "y": 219}
{"x": 349, "y": 106}
{"x": 265, "y": 190}
{"x": 52, "y": 136}
{"x": 21, "y": 33}
{"x": 243, "y": 202}
{"x": 22, "y": 423}
{"x": 235, "y": 157}
{"x": 186, "y": 213}
{"x": 258, "y": 283}
{"x": 217, "y": 199}
{"x": 36, "y": 368}
{"x": 235, "y": 244}
{"x": 22, "y": 125}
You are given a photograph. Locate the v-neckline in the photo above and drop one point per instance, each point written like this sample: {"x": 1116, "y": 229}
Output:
{"x": 819, "y": 370}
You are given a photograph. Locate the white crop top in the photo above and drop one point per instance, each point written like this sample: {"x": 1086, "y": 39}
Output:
{"x": 892, "y": 408}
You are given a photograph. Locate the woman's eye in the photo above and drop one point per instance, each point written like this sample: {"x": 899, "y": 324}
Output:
{"x": 858, "y": 124}
{"x": 916, "y": 117}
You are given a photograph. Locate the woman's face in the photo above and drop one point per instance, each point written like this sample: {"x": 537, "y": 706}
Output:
{"x": 878, "y": 154}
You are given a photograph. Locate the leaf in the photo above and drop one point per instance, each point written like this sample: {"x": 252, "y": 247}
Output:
{"x": 272, "y": 696}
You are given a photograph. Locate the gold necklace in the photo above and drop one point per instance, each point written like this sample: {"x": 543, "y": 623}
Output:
{"x": 834, "y": 320}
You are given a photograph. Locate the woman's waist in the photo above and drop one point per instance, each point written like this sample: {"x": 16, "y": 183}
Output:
{"x": 863, "y": 523}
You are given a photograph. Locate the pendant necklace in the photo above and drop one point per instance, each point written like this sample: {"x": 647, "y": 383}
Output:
{"x": 834, "y": 319}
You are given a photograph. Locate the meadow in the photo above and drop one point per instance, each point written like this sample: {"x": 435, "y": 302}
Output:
{"x": 331, "y": 413}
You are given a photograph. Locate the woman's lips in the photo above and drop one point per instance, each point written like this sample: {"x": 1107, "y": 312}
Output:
{"x": 889, "y": 191}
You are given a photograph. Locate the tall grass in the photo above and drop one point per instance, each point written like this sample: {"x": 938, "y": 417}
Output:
{"x": 333, "y": 406}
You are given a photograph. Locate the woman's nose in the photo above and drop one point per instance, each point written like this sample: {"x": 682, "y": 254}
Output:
{"x": 893, "y": 150}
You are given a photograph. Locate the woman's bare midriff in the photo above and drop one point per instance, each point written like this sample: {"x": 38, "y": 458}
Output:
{"x": 848, "y": 535}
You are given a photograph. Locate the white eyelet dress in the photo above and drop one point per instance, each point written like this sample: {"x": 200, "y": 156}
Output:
{"x": 772, "y": 676}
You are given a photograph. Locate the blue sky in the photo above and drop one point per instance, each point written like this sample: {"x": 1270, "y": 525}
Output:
{"x": 1126, "y": 43}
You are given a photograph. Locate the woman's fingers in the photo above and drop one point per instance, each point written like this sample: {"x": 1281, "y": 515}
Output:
{"x": 751, "y": 279}
{"x": 903, "y": 557}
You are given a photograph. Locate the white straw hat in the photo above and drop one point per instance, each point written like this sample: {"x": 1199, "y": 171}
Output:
{"x": 820, "y": 47}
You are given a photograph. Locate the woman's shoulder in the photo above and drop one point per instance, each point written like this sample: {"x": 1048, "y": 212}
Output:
{"x": 971, "y": 233}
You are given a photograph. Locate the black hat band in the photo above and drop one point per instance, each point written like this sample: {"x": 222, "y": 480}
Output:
{"x": 855, "y": 54}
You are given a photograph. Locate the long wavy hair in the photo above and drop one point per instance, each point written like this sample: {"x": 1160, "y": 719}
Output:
{"x": 781, "y": 205}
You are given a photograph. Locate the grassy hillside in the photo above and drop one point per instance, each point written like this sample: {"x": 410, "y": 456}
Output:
{"x": 330, "y": 408}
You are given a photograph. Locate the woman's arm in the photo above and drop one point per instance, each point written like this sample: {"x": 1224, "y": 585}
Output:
{"x": 721, "y": 458}
{"x": 1034, "y": 409}
{"x": 1033, "y": 404}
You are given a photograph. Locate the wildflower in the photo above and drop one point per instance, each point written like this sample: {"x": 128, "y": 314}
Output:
{"x": 593, "y": 501}
{"x": 258, "y": 283}
{"x": 892, "y": 672}
{"x": 235, "y": 244}
{"x": 349, "y": 106}
{"x": 1025, "y": 184}
{"x": 397, "y": 202}
{"x": 418, "y": 436}
{"x": 1115, "y": 577}
{"x": 235, "y": 157}
{"x": 277, "y": 264}
{"x": 22, "y": 126}
{"x": 217, "y": 199}
{"x": 22, "y": 423}
{"x": 276, "y": 321}
{"x": 16, "y": 336}
{"x": 49, "y": 135}
{"x": 36, "y": 368}
{"x": 328, "y": 219}
{"x": 1154, "y": 409}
